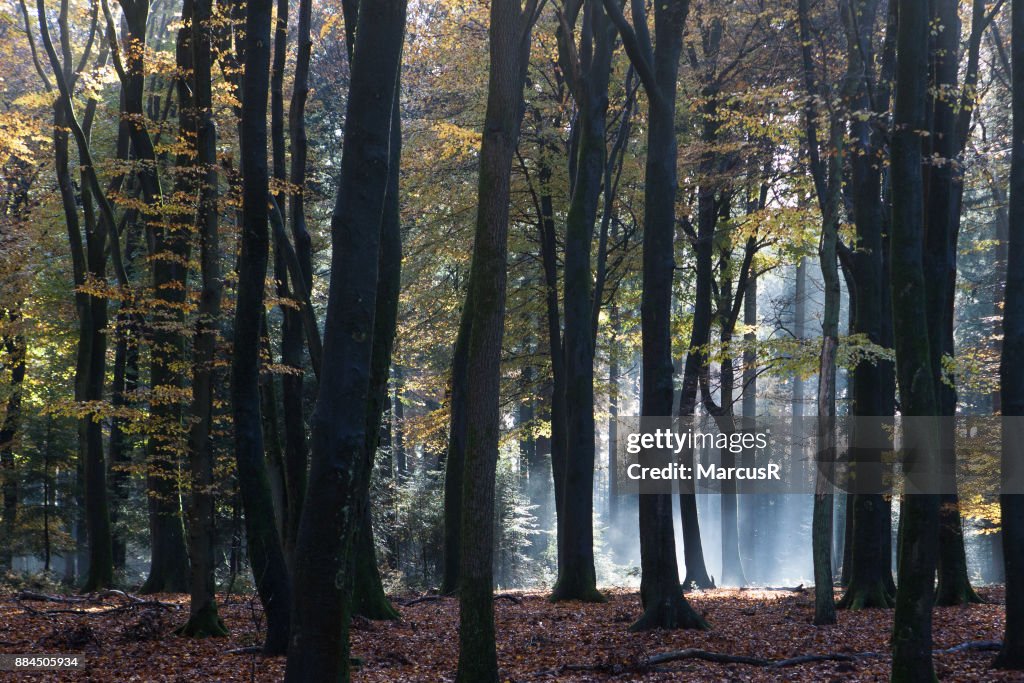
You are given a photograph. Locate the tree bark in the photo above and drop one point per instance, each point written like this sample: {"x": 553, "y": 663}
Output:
{"x": 511, "y": 25}
{"x": 658, "y": 67}
{"x": 455, "y": 458}
{"x": 204, "y": 619}
{"x": 263, "y": 542}
{"x": 339, "y": 474}
{"x": 1011, "y": 372}
{"x": 943, "y": 194}
{"x": 369, "y": 599}
{"x": 868, "y": 562}
{"x": 577, "y": 579}
{"x": 912, "y": 632}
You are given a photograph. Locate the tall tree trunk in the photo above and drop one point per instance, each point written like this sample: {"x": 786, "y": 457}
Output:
{"x": 577, "y": 579}
{"x": 1011, "y": 372}
{"x": 697, "y": 358}
{"x": 614, "y": 383}
{"x": 455, "y": 458}
{"x": 557, "y": 408}
{"x": 266, "y": 555}
{"x": 912, "y": 632}
{"x": 88, "y": 261}
{"x": 943, "y": 193}
{"x": 339, "y": 475}
{"x": 658, "y": 67}
{"x": 751, "y": 529}
{"x": 203, "y": 617}
{"x": 511, "y": 25}
{"x": 368, "y": 593}
{"x": 14, "y": 348}
{"x": 827, "y": 177}
{"x": 867, "y": 564}
{"x": 296, "y": 446}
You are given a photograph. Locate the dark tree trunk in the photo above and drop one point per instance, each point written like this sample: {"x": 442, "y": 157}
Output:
{"x": 614, "y": 382}
{"x": 456, "y": 456}
{"x": 867, "y": 564}
{"x": 1011, "y": 374}
{"x": 751, "y": 525}
{"x": 88, "y": 260}
{"x": 204, "y": 619}
{"x": 577, "y": 579}
{"x": 339, "y": 474}
{"x": 14, "y": 348}
{"x": 296, "y": 446}
{"x": 700, "y": 335}
{"x": 295, "y": 453}
{"x": 511, "y": 25}
{"x": 557, "y": 408}
{"x": 827, "y": 177}
{"x": 368, "y": 592}
{"x": 942, "y": 223}
{"x": 266, "y": 555}
{"x": 912, "y": 632}
{"x": 660, "y": 591}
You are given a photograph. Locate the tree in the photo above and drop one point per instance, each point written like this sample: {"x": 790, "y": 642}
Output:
{"x": 511, "y": 25}
{"x": 658, "y": 65}
{"x": 89, "y": 261}
{"x": 870, "y": 575}
{"x": 912, "y": 632}
{"x": 203, "y": 617}
{"x": 1011, "y": 372}
{"x": 588, "y": 67}
{"x": 827, "y": 177}
{"x": 339, "y": 469}
{"x": 266, "y": 555}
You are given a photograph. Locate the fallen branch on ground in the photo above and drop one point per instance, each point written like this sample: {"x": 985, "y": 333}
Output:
{"x": 725, "y": 658}
{"x": 103, "y": 612}
{"x": 422, "y": 598}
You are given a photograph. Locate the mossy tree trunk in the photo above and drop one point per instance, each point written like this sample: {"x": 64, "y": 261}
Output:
{"x": 511, "y": 26}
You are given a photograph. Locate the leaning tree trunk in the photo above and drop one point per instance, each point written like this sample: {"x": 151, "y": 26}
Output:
{"x": 1011, "y": 374}
{"x": 912, "y": 625}
{"x": 339, "y": 474}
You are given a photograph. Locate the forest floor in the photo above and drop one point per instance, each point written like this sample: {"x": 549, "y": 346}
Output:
{"x": 123, "y": 639}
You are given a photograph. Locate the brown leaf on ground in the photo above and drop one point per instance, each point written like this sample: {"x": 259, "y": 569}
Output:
{"x": 537, "y": 641}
